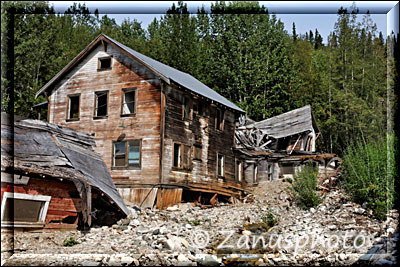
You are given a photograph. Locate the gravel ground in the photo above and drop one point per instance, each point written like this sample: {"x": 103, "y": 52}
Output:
{"x": 337, "y": 232}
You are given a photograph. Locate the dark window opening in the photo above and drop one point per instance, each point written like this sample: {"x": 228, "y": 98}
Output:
{"x": 129, "y": 101}
{"x": 127, "y": 154}
{"x": 177, "y": 155}
{"x": 73, "y": 112}
{"x": 239, "y": 170}
{"x": 101, "y": 102}
{"x": 220, "y": 165}
{"x": 219, "y": 120}
{"x": 104, "y": 63}
{"x": 24, "y": 210}
{"x": 186, "y": 109}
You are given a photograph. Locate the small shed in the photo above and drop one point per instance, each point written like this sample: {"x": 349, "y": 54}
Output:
{"x": 52, "y": 178}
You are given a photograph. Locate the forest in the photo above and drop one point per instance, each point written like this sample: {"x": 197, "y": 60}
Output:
{"x": 237, "y": 49}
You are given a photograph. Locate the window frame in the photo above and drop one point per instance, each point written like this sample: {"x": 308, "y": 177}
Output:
{"x": 43, "y": 210}
{"x": 125, "y": 90}
{"x": 126, "y": 166}
{"x": 223, "y": 165}
{"x": 96, "y": 93}
{"x": 99, "y": 59}
{"x": 255, "y": 173}
{"x": 68, "y": 119}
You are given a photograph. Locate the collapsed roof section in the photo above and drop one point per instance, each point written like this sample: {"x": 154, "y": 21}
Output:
{"x": 52, "y": 151}
{"x": 264, "y": 135}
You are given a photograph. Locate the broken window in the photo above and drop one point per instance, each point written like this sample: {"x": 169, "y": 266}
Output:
{"x": 104, "y": 63}
{"x": 101, "y": 103}
{"x": 219, "y": 120}
{"x": 24, "y": 209}
{"x": 220, "y": 165}
{"x": 255, "y": 173}
{"x": 182, "y": 156}
{"x": 129, "y": 101}
{"x": 73, "y": 107}
{"x": 239, "y": 170}
{"x": 127, "y": 153}
{"x": 186, "y": 109}
{"x": 270, "y": 172}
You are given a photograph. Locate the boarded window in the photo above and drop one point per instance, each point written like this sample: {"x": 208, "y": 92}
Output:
{"x": 177, "y": 155}
{"x": 127, "y": 153}
{"x": 220, "y": 165}
{"x": 20, "y": 209}
{"x": 219, "y": 120}
{"x": 104, "y": 63}
{"x": 187, "y": 160}
{"x": 239, "y": 170}
{"x": 101, "y": 104}
{"x": 129, "y": 101}
{"x": 73, "y": 107}
{"x": 197, "y": 150}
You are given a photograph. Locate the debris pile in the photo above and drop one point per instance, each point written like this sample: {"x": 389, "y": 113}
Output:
{"x": 188, "y": 235}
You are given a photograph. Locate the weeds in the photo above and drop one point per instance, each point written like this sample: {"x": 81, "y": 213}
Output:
{"x": 304, "y": 187}
{"x": 70, "y": 242}
{"x": 369, "y": 174}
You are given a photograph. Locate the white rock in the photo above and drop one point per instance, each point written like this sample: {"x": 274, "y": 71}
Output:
{"x": 246, "y": 232}
{"x": 127, "y": 260}
{"x": 182, "y": 258}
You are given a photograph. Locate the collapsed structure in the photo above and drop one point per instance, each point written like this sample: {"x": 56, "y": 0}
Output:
{"x": 52, "y": 178}
{"x": 279, "y": 146}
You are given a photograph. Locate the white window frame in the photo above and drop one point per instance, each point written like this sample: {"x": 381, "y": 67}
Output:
{"x": 43, "y": 211}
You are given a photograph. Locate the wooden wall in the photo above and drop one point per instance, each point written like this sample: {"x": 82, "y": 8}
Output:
{"x": 86, "y": 79}
{"x": 198, "y": 130}
{"x": 65, "y": 200}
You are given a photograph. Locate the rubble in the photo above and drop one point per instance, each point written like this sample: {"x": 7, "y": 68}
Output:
{"x": 192, "y": 236}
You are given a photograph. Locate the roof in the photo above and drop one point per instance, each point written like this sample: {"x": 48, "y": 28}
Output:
{"x": 165, "y": 72}
{"x": 50, "y": 150}
{"x": 289, "y": 123}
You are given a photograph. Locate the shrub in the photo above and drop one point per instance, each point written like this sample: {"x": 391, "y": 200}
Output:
{"x": 369, "y": 174}
{"x": 304, "y": 187}
{"x": 70, "y": 242}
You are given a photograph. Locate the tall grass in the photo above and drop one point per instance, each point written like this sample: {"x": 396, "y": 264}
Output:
{"x": 369, "y": 173}
{"x": 304, "y": 187}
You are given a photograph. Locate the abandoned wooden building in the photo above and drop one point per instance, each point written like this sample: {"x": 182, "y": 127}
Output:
{"x": 278, "y": 147}
{"x": 51, "y": 178}
{"x": 164, "y": 135}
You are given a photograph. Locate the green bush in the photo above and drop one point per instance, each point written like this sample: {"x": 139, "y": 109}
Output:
{"x": 303, "y": 187}
{"x": 69, "y": 242}
{"x": 369, "y": 174}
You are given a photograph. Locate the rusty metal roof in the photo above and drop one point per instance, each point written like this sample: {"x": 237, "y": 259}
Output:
{"x": 167, "y": 73}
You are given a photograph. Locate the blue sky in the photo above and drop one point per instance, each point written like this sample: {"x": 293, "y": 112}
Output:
{"x": 307, "y": 15}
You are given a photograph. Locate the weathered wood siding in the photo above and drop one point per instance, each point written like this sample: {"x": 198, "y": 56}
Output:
{"x": 200, "y": 130}
{"x": 86, "y": 80}
{"x": 64, "y": 202}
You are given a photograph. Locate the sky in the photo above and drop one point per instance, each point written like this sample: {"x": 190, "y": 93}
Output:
{"x": 307, "y": 15}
